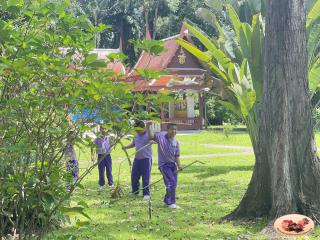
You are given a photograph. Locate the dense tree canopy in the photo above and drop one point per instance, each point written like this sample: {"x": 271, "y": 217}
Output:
{"x": 129, "y": 19}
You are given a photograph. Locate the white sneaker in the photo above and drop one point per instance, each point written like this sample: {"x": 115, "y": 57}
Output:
{"x": 173, "y": 206}
{"x": 146, "y": 197}
{"x": 100, "y": 188}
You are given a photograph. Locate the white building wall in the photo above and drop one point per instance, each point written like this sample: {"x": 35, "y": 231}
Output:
{"x": 190, "y": 106}
{"x": 171, "y": 109}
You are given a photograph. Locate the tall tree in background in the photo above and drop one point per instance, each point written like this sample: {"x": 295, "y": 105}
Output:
{"x": 125, "y": 18}
{"x": 129, "y": 19}
{"x": 286, "y": 176}
{"x": 176, "y": 12}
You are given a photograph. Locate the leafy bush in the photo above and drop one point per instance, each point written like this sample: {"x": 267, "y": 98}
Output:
{"x": 46, "y": 64}
{"x": 217, "y": 114}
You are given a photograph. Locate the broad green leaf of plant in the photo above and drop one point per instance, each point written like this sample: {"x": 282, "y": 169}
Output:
{"x": 314, "y": 77}
{"x": 314, "y": 13}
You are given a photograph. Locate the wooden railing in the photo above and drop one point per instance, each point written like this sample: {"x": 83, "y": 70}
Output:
{"x": 182, "y": 123}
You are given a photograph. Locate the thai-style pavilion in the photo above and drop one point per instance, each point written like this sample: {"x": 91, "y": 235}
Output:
{"x": 185, "y": 76}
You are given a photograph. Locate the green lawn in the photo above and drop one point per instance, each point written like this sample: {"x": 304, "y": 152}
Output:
{"x": 205, "y": 193}
{"x": 189, "y": 145}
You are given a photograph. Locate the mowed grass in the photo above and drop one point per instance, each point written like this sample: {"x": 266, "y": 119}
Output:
{"x": 190, "y": 144}
{"x": 205, "y": 193}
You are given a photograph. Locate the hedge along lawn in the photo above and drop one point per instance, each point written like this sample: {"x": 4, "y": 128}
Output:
{"x": 205, "y": 193}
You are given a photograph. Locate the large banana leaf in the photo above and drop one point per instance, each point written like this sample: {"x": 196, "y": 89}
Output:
{"x": 232, "y": 107}
{"x": 203, "y": 38}
{"x": 202, "y": 56}
{"x": 234, "y": 20}
{"x": 256, "y": 66}
{"x": 245, "y": 75}
{"x": 313, "y": 44}
{"x": 245, "y": 98}
{"x": 212, "y": 49}
{"x": 314, "y": 76}
{"x": 241, "y": 89}
{"x": 246, "y": 101}
{"x": 210, "y": 18}
{"x": 245, "y": 41}
{"x": 309, "y": 4}
{"x": 313, "y": 14}
{"x": 234, "y": 73}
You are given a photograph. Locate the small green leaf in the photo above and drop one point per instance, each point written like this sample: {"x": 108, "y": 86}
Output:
{"x": 82, "y": 223}
{"x": 97, "y": 64}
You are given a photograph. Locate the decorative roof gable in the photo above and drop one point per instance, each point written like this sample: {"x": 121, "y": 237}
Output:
{"x": 174, "y": 57}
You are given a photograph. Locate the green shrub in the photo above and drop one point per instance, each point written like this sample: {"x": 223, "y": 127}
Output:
{"x": 38, "y": 78}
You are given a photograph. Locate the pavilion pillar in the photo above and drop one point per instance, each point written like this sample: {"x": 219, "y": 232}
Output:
{"x": 162, "y": 116}
{"x": 200, "y": 98}
{"x": 162, "y": 111}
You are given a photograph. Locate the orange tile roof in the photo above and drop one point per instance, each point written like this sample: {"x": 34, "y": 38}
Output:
{"x": 160, "y": 62}
{"x": 164, "y": 83}
{"x": 118, "y": 67}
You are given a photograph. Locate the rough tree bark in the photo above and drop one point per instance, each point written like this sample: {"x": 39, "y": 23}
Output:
{"x": 286, "y": 177}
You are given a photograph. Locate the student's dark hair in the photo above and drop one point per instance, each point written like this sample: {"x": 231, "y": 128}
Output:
{"x": 140, "y": 124}
{"x": 170, "y": 125}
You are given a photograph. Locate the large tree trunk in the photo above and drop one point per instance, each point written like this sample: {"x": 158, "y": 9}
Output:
{"x": 286, "y": 176}
{"x": 257, "y": 199}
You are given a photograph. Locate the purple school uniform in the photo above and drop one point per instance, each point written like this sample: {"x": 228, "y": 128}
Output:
{"x": 168, "y": 151}
{"x": 103, "y": 145}
{"x": 142, "y": 164}
{"x": 103, "y": 150}
{"x": 72, "y": 163}
{"x": 139, "y": 142}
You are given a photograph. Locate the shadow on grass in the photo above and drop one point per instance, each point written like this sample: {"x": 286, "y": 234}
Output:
{"x": 203, "y": 204}
{"x": 148, "y": 230}
{"x": 205, "y": 171}
{"x": 203, "y": 201}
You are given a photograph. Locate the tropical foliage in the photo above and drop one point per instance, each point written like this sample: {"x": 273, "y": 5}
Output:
{"x": 236, "y": 58}
{"x": 237, "y": 64}
{"x": 129, "y": 19}
{"x": 313, "y": 45}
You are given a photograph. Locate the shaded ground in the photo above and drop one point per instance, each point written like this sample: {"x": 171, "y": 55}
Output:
{"x": 205, "y": 193}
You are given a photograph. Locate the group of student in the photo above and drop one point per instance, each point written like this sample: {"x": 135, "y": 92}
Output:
{"x": 168, "y": 160}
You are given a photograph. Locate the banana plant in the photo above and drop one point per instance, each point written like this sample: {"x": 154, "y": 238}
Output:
{"x": 244, "y": 84}
{"x": 313, "y": 45}
{"x": 241, "y": 72}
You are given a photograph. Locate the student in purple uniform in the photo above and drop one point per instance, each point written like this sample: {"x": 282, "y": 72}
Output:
{"x": 72, "y": 163}
{"x": 103, "y": 150}
{"x": 168, "y": 161}
{"x": 142, "y": 161}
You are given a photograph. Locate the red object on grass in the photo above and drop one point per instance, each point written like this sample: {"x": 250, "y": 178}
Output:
{"x": 294, "y": 224}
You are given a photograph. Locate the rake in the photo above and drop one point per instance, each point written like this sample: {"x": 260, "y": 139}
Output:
{"x": 117, "y": 191}
{"x": 154, "y": 183}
